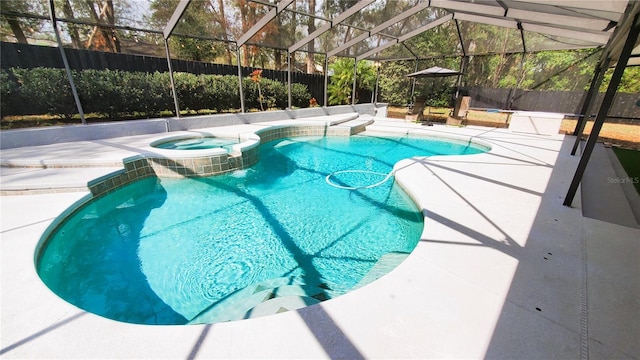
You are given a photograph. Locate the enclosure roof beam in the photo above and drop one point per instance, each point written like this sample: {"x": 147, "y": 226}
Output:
{"x": 415, "y": 56}
{"x": 407, "y": 36}
{"x": 328, "y": 26}
{"x": 614, "y": 47}
{"x": 67, "y": 68}
{"x": 264, "y": 21}
{"x": 403, "y": 15}
{"x": 486, "y": 20}
{"x": 376, "y": 50}
{"x": 561, "y": 20}
{"x": 606, "y": 9}
{"x": 588, "y": 21}
{"x": 464, "y": 50}
{"x": 600, "y": 39}
{"x": 524, "y": 43}
{"x": 348, "y": 44}
{"x": 455, "y": 6}
{"x": 504, "y": 6}
{"x": 380, "y": 27}
{"x": 175, "y": 17}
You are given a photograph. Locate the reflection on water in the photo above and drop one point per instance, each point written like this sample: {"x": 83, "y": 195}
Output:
{"x": 175, "y": 251}
{"x": 93, "y": 262}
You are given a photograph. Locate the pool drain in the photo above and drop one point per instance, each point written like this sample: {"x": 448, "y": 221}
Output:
{"x": 387, "y": 177}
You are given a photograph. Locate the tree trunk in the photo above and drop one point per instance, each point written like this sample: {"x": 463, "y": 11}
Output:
{"x": 222, "y": 19}
{"x": 277, "y": 58}
{"x": 17, "y": 30}
{"x": 502, "y": 62}
{"x": 106, "y": 35}
{"x": 111, "y": 20}
{"x": 73, "y": 28}
{"x": 244, "y": 18}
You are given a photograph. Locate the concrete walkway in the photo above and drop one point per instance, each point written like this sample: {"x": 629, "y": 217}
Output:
{"x": 502, "y": 270}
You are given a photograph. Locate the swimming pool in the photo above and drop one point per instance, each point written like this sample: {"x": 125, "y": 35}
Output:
{"x": 270, "y": 238}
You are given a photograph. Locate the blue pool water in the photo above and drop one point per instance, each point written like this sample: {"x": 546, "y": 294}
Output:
{"x": 198, "y": 143}
{"x": 203, "y": 250}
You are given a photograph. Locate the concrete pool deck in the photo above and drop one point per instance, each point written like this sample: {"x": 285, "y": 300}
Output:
{"x": 503, "y": 269}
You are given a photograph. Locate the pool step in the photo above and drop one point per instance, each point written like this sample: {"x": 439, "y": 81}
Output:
{"x": 385, "y": 265}
{"x": 279, "y": 305}
{"x": 332, "y": 120}
{"x": 266, "y": 298}
{"x": 285, "y": 298}
{"x": 351, "y": 127}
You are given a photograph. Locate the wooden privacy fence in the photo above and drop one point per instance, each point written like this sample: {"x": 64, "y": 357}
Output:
{"x": 567, "y": 102}
{"x": 32, "y": 56}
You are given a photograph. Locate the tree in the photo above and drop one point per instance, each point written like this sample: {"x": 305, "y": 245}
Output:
{"x": 561, "y": 70}
{"x": 394, "y": 84}
{"x": 73, "y": 28}
{"x": 102, "y": 14}
{"x": 250, "y": 13}
{"x": 102, "y": 38}
{"x": 630, "y": 82}
{"x": 340, "y": 87}
{"x": 20, "y": 28}
{"x": 221, "y": 18}
{"x": 341, "y": 34}
{"x": 196, "y": 20}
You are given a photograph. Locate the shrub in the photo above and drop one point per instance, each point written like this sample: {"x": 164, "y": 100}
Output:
{"x": 102, "y": 92}
{"x": 47, "y": 91}
{"x": 228, "y": 93}
{"x": 9, "y": 95}
{"x": 189, "y": 90}
{"x": 114, "y": 93}
{"x": 250, "y": 92}
{"x": 220, "y": 92}
{"x": 275, "y": 94}
{"x": 300, "y": 95}
{"x": 150, "y": 93}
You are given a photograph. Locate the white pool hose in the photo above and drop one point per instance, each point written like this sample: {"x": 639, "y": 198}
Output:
{"x": 328, "y": 179}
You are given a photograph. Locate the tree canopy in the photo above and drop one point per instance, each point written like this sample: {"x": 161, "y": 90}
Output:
{"x": 489, "y": 55}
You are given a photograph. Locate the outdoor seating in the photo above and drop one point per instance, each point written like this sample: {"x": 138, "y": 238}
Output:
{"x": 415, "y": 111}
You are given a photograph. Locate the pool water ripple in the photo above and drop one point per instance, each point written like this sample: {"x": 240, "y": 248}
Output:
{"x": 204, "y": 250}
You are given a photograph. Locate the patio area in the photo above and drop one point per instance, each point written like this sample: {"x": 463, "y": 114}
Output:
{"x": 502, "y": 270}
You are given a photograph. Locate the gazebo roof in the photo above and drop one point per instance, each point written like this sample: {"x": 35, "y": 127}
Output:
{"x": 435, "y": 71}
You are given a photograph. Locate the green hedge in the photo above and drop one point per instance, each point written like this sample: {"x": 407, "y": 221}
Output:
{"x": 114, "y": 93}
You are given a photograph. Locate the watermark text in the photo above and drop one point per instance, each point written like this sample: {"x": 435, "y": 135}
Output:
{"x": 623, "y": 180}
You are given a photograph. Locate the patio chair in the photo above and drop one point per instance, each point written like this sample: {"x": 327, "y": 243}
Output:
{"x": 415, "y": 111}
